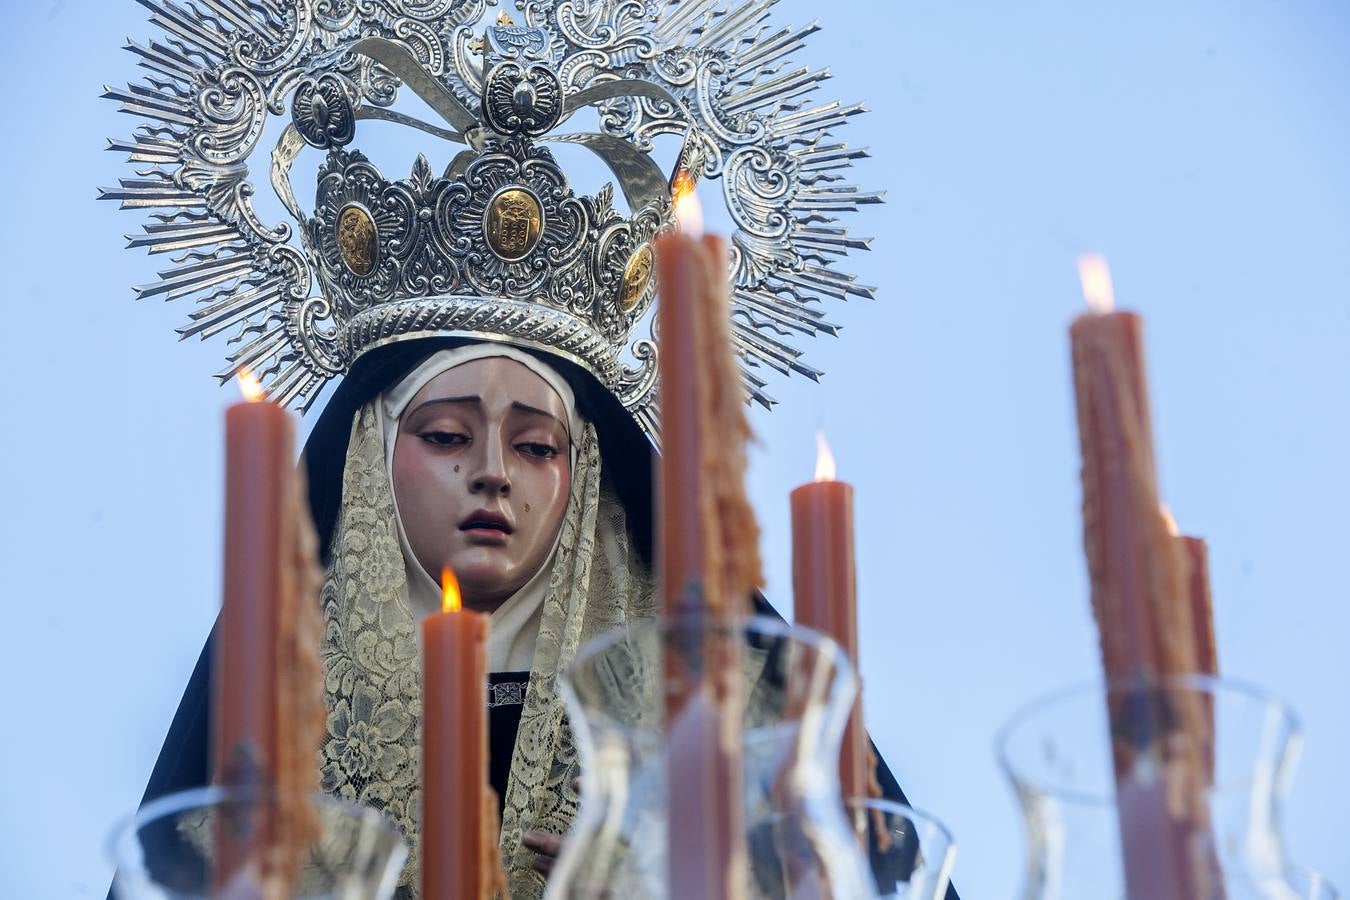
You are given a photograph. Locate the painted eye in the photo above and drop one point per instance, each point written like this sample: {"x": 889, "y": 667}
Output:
{"x": 444, "y": 438}
{"x": 534, "y": 448}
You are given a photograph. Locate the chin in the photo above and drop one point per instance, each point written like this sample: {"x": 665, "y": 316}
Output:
{"x": 482, "y": 575}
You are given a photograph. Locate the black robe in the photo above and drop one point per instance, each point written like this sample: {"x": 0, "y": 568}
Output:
{"x": 184, "y": 759}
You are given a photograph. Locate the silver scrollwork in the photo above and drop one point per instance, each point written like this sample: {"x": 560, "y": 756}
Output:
{"x": 522, "y": 99}
{"x": 498, "y": 245}
{"x": 322, "y": 112}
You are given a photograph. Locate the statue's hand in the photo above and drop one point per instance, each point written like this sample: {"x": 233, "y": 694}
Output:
{"x": 546, "y": 845}
{"x": 546, "y": 848}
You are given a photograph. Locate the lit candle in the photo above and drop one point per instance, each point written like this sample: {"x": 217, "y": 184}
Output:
{"x": 708, "y": 557}
{"x": 259, "y": 443}
{"x": 1139, "y": 599}
{"x": 1195, "y": 552}
{"x": 824, "y": 591}
{"x": 1134, "y": 569}
{"x": 268, "y": 679}
{"x": 1196, "y": 556}
{"x": 455, "y": 839}
{"x": 686, "y": 279}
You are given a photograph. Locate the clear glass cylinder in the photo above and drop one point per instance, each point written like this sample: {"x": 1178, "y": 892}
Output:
{"x": 1058, "y": 754}
{"x": 911, "y": 853}
{"x": 170, "y": 849}
{"x": 1309, "y": 884}
{"x": 798, "y": 688}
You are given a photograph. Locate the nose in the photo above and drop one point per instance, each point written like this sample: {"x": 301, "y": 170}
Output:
{"x": 491, "y": 477}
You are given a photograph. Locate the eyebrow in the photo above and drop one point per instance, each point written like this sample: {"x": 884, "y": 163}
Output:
{"x": 474, "y": 398}
{"x": 467, "y": 398}
{"x": 534, "y": 410}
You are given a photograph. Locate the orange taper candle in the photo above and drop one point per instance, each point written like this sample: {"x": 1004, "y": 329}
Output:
{"x": 683, "y": 270}
{"x": 454, "y": 751}
{"x": 1142, "y": 611}
{"x": 1202, "y": 604}
{"x": 259, "y": 443}
{"x": 259, "y": 440}
{"x": 1195, "y": 554}
{"x": 704, "y": 572}
{"x": 824, "y": 591}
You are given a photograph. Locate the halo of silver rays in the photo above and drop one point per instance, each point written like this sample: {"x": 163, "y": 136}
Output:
{"x": 221, "y": 67}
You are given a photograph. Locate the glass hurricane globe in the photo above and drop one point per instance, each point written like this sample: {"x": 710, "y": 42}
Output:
{"x": 171, "y": 848}
{"x": 798, "y": 689}
{"x": 1057, "y": 753}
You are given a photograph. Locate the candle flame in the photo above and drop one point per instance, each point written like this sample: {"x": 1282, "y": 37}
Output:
{"x": 1095, "y": 276}
{"x": 1168, "y": 520}
{"x": 450, "y": 596}
{"x": 824, "y": 459}
{"x": 249, "y": 385}
{"x": 688, "y": 211}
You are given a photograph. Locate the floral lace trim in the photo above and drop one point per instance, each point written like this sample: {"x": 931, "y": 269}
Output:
{"x": 372, "y": 675}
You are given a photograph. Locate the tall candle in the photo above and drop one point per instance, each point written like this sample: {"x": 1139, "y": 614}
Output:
{"x": 824, "y": 591}
{"x": 708, "y": 562}
{"x": 269, "y": 709}
{"x": 709, "y": 540}
{"x": 685, "y": 279}
{"x": 455, "y": 835}
{"x": 1139, "y": 599}
{"x": 259, "y": 445}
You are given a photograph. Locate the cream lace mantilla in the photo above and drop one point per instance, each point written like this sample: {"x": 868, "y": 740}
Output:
{"x": 371, "y": 752}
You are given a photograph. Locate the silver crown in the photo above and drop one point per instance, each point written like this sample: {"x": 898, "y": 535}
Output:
{"x": 497, "y": 246}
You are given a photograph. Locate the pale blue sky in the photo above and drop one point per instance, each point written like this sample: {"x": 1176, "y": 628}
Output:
{"x": 1202, "y": 145}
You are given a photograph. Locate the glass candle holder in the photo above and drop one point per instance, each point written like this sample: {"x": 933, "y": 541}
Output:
{"x": 798, "y": 689}
{"x": 1310, "y": 884}
{"x": 172, "y": 847}
{"x": 1058, "y": 754}
{"x": 910, "y": 852}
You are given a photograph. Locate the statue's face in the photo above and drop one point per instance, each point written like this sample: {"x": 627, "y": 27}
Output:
{"x": 482, "y": 474}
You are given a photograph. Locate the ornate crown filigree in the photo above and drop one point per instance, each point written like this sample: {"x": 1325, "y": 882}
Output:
{"x": 497, "y": 245}
{"x": 390, "y": 253}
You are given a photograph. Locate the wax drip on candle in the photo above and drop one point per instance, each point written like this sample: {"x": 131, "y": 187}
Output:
{"x": 1095, "y": 276}
{"x": 733, "y": 568}
{"x": 300, "y": 671}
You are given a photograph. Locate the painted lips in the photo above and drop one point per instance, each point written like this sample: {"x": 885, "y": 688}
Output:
{"x": 487, "y": 525}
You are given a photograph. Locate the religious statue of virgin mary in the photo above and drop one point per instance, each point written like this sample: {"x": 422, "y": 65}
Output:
{"x": 496, "y": 404}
